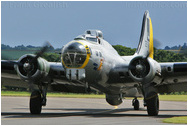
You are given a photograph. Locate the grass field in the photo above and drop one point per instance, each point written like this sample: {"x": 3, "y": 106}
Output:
{"x": 173, "y": 97}
{"x": 176, "y": 120}
{"x": 71, "y": 95}
{"x": 64, "y": 95}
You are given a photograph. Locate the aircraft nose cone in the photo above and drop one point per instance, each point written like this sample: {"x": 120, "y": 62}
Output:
{"x": 74, "y": 55}
{"x": 74, "y": 48}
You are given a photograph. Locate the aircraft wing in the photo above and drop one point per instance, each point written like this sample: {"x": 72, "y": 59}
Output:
{"x": 174, "y": 77}
{"x": 10, "y": 78}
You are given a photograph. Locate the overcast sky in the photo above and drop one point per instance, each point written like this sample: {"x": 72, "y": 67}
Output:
{"x": 32, "y": 23}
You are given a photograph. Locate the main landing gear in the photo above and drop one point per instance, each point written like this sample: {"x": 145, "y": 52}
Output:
{"x": 153, "y": 105}
{"x": 38, "y": 99}
{"x": 135, "y": 103}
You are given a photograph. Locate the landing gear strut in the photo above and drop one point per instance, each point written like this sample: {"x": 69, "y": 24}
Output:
{"x": 135, "y": 103}
{"x": 43, "y": 89}
{"x": 38, "y": 99}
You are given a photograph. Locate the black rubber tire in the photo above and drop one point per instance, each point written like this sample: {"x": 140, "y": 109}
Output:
{"x": 153, "y": 106}
{"x": 35, "y": 102}
{"x": 136, "y": 105}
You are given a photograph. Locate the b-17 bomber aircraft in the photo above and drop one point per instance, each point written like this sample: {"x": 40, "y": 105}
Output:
{"x": 92, "y": 62}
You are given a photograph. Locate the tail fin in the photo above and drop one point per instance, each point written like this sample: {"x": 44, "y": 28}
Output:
{"x": 145, "y": 47}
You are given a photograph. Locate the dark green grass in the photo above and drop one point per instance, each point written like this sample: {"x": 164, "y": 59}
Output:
{"x": 72, "y": 95}
{"x": 176, "y": 120}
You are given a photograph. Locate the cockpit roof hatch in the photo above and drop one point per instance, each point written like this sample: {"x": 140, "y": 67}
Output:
{"x": 96, "y": 33}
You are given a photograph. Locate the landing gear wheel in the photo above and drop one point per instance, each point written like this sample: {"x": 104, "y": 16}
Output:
{"x": 135, "y": 103}
{"x": 153, "y": 106}
{"x": 35, "y": 102}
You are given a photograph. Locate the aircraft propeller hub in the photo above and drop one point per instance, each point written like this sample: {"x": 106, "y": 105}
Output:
{"x": 139, "y": 67}
{"x": 27, "y": 66}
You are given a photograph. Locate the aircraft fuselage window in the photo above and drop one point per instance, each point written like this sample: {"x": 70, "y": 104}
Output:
{"x": 97, "y": 53}
{"x": 91, "y": 39}
{"x": 100, "y": 54}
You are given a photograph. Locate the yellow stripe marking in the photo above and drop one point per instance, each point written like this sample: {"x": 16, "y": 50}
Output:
{"x": 151, "y": 51}
{"x": 100, "y": 66}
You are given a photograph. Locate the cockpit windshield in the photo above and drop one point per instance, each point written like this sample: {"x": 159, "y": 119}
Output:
{"x": 91, "y": 39}
{"x": 80, "y": 37}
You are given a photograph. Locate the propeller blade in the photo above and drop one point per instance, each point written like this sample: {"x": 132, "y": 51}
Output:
{"x": 157, "y": 43}
{"x": 44, "y": 49}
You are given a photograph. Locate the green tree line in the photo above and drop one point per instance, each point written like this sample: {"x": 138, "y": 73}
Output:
{"x": 51, "y": 57}
{"x": 159, "y": 55}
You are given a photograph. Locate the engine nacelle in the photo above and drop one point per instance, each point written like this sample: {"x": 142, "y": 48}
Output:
{"x": 114, "y": 99}
{"x": 145, "y": 70}
{"x": 35, "y": 70}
